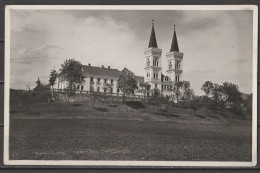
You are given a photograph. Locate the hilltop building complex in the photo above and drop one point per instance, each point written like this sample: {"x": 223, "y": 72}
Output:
{"x": 97, "y": 77}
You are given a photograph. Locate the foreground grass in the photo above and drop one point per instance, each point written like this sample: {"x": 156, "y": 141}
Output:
{"x": 60, "y": 131}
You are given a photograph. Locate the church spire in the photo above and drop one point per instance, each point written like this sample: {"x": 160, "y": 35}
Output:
{"x": 174, "y": 46}
{"x": 152, "y": 42}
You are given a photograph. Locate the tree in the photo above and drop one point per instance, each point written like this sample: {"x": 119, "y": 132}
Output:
{"x": 38, "y": 84}
{"x": 186, "y": 92}
{"x": 127, "y": 84}
{"x": 95, "y": 96}
{"x": 166, "y": 101}
{"x": 52, "y": 79}
{"x": 231, "y": 95}
{"x": 216, "y": 96}
{"x": 182, "y": 91}
{"x": 155, "y": 96}
{"x": 208, "y": 88}
{"x": 206, "y": 102}
{"x": 71, "y": 72}
{"x": 195, "y": 103}
{"x": 176, "y": 90}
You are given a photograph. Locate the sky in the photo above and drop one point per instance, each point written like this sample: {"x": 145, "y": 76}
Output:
{"x": 217, "y": 45}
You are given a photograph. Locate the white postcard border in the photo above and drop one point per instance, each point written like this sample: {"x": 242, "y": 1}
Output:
{"x": 7, "y": 161}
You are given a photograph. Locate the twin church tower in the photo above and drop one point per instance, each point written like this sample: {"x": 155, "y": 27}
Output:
{"x": 153, "y": 70}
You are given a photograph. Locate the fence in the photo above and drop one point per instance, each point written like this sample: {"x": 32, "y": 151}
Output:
{"x": 83, "y": 95}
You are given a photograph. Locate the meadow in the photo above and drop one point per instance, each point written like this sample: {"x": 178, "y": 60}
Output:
{"x": 130, "y": 131}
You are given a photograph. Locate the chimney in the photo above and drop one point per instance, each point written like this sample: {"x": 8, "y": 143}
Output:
{"x": 109, "y": 67}
{"x": 89, "y": 65}
{"x": 102, "y": 66}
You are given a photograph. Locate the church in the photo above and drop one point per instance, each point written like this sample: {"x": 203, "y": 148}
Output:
{"x": 96, "y": 78}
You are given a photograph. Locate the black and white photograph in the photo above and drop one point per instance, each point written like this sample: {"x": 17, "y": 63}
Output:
{"x": 131, "y": 85}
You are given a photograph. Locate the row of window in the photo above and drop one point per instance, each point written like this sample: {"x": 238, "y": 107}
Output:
{"x": 105, "y": 90}
{"x": 98, "y": 80}
{"x": 166, "y": 78}
{"x": 166, "y": 87}
{"x": 177, "y": 65}
{"x": 155, "y": 63}
{"x": 155, "y": 75}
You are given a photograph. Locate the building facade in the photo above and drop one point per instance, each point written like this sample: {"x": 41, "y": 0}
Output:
{"x": 153, "y": 71}
{"x": 98, "y": 78}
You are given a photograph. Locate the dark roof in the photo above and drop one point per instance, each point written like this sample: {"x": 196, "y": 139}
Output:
{"x": 101, "y": 71}
{"x": 153, "y": 42}
{"x": 139, "y": 79}
{"x": 174, "y": 46}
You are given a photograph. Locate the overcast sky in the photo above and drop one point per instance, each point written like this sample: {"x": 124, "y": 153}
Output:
{"x": 217, "y": 45}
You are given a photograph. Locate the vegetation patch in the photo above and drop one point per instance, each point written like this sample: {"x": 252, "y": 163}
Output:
{"x": 77, "y": 104}
{"x": 135, "y": 104}
{"x": 101, "y": 109}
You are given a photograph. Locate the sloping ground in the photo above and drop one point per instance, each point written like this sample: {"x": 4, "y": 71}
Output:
{"x": 76, "y": 131}
{"x": 119, "y": 111}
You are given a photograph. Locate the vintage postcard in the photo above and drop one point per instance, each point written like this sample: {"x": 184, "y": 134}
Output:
{"x": 131, "y": 85}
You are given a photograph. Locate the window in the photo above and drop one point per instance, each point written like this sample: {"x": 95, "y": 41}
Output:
{"x": 105, "y": 80}
{"x": 81, "y": 87}
{"x": 105, "y": 89}
{"x": 91, "y": 79}
{"x": 117, "y": 90}
{"x": 155, "y": 85}
{"x": 98, "y": 79}
{"x": 176, "y": 78}
{"x": 78, "y": 87}
{"x": 98, "y": 89}
{"x": 170, "y": 65}
{"x": 147, "y": 75}
{"x": 147, "y": 63}
{"x": 111, "y": 80}
{"x": 154, "y": 75}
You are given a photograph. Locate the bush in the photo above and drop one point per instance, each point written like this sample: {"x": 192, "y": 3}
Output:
{"x": 29, "y": 97}
{"x": 135, "y": 104}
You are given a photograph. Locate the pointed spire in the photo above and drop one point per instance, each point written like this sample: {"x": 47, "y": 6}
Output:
{"x": 152, "y": 42}
{"x": 174, "y": 46}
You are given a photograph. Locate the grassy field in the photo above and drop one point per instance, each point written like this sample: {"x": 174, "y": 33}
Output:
{"x": 61, "y": 131}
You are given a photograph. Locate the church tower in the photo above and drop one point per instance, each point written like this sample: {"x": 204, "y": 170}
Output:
{"x": 175, "y": 60}
{"x": 153, "y": 70}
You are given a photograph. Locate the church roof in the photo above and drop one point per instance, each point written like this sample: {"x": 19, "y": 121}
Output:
{"x": 152, "y": 42}
{"x": 174, "y": 46}
{"x": 102, "y": 71}
{"x": 139, "y": 79}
